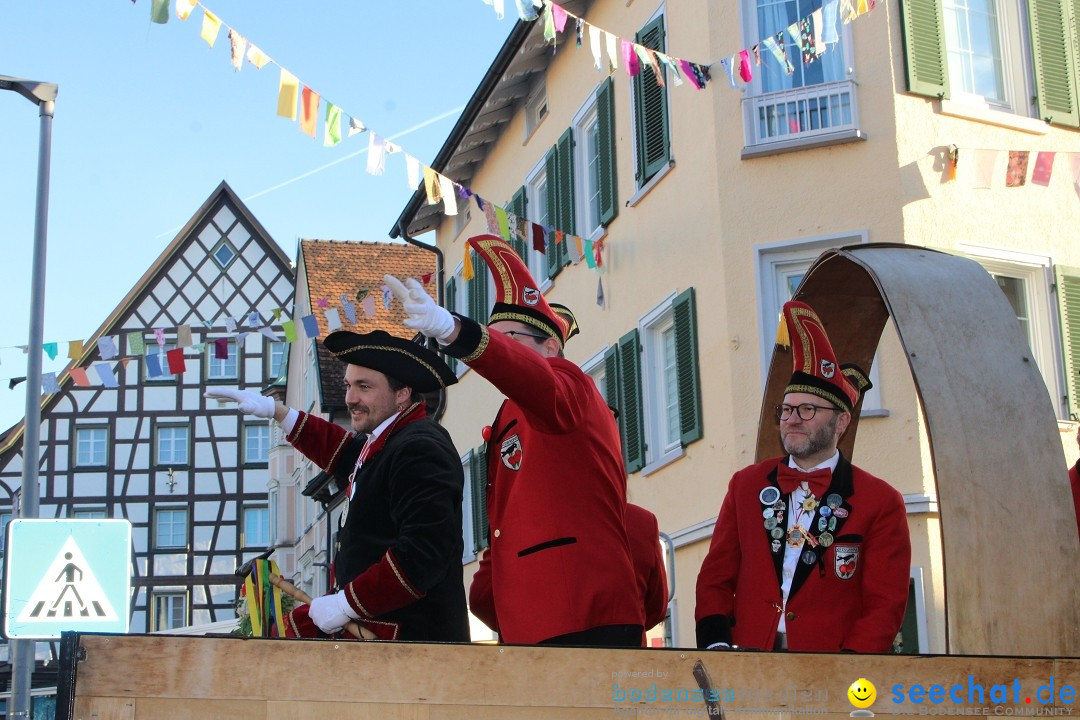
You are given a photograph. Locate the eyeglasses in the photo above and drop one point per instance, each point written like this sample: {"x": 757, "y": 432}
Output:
{"x": 806, "y": 412}
{"x": 512, "y": 333}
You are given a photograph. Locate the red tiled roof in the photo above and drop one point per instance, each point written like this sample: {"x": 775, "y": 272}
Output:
{"x": 337, "y": 267}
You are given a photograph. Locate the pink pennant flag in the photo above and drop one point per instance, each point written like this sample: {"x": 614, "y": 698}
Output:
{"x": 221, "y": 348}
{"x": 630, "y": 59}
{"x": 426, "y": 277}
{"x": 159, "y": 335}
{"x": 369, "y": 306}
{"x": 1044, "y": 167}
{"x": 78, "y": 376}
{"x": 744, "y": 66}
{"x": 322, "y": 303}
{"x": 560, "y": 16}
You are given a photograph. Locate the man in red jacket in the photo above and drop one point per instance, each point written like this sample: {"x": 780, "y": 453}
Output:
{"x": 644, "y": 534}
{"x": 559, "y": 568}
{"x": 809, "y": 552}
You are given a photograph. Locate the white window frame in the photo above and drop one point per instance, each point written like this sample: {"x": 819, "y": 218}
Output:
{"x": 262, "y": 534}
{"x": 170, "y": 599}
{"x": 170, "y": 543}
{"x": 89, "y": 513}
{"x": 280, "y": 348}
{"x": 776, "y": 261}
{"x": 95, "y": 446}
{"x": 756, "y": 100}
{"x": 587, "y": 196}
{"x": 535, "y": 188}
{"x": 171, "y": 460}
{"x": 468, "y": 552}
{"x": 651, "y": 327}
{"x": 217, "y": 369}
{"x": 264, "y": 443}
{"x": 594, "y": 367}
{"x": 1016, "y": 68}
{"x": 536, "y": 107}
{"x": 1045, "y": 340}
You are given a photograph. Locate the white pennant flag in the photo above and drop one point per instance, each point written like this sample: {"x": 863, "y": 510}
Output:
{"x": 594, "y": 45}
{"x": 449, "y": 195}
{"x": 376, "y": 156}
{"x": 412, "y": 169}
{"x": 355, "y": 126}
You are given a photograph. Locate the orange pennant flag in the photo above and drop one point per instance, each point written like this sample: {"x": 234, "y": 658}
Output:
{"x": 287, "y": 92}
{"x": 210, "y": 27}
{"x": 78, "y": 375}
{"x": 467, "y": 272}
{"x": 309, "y": 110}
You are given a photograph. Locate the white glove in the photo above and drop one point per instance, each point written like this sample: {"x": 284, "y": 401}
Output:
{"x": 422, "y": 312}
{"x": 248, "y": 401}
{"x": 331, "y": 612}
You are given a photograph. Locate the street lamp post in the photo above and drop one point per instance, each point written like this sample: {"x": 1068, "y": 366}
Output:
{"x": 44, "y": 96}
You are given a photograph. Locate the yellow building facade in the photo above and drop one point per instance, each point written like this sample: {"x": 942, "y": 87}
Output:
{"x": 733, "y": 192}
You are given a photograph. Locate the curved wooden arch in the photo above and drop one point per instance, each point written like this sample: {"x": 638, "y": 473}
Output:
{"x": 1009, "y": 536}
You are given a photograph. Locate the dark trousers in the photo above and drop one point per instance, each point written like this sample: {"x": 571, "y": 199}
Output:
{"x": 603, "y": 636}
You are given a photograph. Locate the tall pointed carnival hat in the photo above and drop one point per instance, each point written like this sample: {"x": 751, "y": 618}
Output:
{"x": 816, "y": 369}
{"x": 517, "y": 295}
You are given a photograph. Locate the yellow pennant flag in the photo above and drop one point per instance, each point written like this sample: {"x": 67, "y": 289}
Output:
{"x": 431, "y": 186}
{"x": 288, "y": 92}
{"x": 257, "y": 57}
{"x": 75, "y": 349}
{"x": 210, "y": 27}
{"x": 467, "y": 268}
{"x": 184, "y": 8}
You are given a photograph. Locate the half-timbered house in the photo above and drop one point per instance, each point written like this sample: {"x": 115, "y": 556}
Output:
{"x": 190, "y": 474}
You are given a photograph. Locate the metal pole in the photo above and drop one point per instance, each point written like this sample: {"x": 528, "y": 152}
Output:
{"x": 23, "y": 651}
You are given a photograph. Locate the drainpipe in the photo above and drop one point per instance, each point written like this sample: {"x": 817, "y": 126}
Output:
{"x": 440, "y": 285}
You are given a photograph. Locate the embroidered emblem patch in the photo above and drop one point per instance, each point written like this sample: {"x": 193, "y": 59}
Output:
{"x": 828, "y": 368}
{"x": 530, "y": 296}
{"x": 510, "y": 452}
{"x": 845, "y": 560}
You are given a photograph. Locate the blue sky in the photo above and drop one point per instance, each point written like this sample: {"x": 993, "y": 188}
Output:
{"x": 149, "y": 120}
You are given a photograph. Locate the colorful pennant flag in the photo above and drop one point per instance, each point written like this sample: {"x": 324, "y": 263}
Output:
{"x": 1044, "y": 167}
{"x": 332, "y": 125}
{"x": 376, "y": 157}
{"x": 105, "y": 372}
{"x": 175, "y": 358}
{"x": 257, "y": 57}
{"x": 49, "y": 384}
{"x": 210, "y": 27}
{"x": 288, "y": 91}
{"x": 184, "y": 8}
{"x": 183, "y": 336}
{"x": 237, "y": 45}
{"x": 135, "y": 343}
{"x": 368, "y": 303}
{"x": 78, "y": 376}
{"x": 153, "y": 366}
{"x": 51, "y": 349}
{"x": 333, "y": 319}
{"x": 289, "y": 328}
{"x": 107, "y": 347}
{"x": 221, "y": 348}
{"x": 159, "y": 11}
{"x": 309, "y": 111}
{"x": 75, "y": 349}
{"x": 311, "y": 326}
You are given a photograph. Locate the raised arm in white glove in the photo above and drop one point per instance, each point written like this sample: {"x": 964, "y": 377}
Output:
{"x": 247, "y": 401}
{"x": 422, "y": 313}
{"x": 331, "y": 612}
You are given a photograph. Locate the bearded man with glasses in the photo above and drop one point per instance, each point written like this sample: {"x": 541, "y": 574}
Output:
{"x": 809, "y": 552}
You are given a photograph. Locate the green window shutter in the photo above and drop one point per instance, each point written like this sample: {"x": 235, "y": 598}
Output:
{"x": 1068, "y": 295}
{"x": 1053, "y": 58}
{"x": 517, "y": 206}
{"x": 551, "y": 167}
{"x": 632, "y": 421}
{"x": 923, "y": 30}
{"x": 565, "y": 190}
{"x": 687, "y": 374}
{"x": 609, "y": 184}
{"x": 651, "y": 105}
{"x": 450, "y": 303}
{"x": 611, "y": 390}
{"x": 478, "y": 473}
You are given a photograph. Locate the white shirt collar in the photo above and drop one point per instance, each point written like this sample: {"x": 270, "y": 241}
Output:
{"x": 831, "y": 463}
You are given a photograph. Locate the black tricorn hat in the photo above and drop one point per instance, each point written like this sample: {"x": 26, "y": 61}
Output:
{"x": 405, "y": 361}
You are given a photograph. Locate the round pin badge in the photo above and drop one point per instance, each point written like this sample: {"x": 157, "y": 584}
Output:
{"x": 808, "y": 557}
{"x": 769, "y": 495}
{"x": 826, "y": 539}
{"x": 832, "y": 524}
{"x": 825, "y": 511}
{"x": 777, "y": 532}
{"x": 822, "y": 523}
{"x": 770, "y": 523}
{"x": 834, "y": 500}
{"x": 776, "y": 545}
{"x": 840, "y": 512}
{"x": 768, "y": 512}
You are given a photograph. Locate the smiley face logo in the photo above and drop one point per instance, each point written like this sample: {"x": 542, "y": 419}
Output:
{"x": 862, "y": 693}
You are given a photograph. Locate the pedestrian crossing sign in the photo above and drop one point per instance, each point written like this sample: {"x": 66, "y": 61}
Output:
{"x": 66, "y": 575}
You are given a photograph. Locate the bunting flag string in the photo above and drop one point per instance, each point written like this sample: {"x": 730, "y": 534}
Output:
{"x": 986, "y": 168}
{"x": 171, "y": 361}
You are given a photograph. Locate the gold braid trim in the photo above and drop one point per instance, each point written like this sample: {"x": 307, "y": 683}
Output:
{"x": 528, "y": 320}
{"x": 401, "y": 578}
{"x": 485, "y": 338}
{"x": 344, "y": 439}
{"x": 823, "y": 394}
{"x": 356, "y": 601}
{"x": 299, "y": 428}
{"x": 387, "y": 348}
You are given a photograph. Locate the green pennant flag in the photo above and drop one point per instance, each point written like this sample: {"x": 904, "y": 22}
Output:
{"x": 159, "y": 11}
{"x": 290, "y": 330}
{"x": 135, "y": 343}
{"x": 332, "y": 126}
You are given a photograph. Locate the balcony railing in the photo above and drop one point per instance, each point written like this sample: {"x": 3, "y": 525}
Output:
{"x": 800, "y": 113}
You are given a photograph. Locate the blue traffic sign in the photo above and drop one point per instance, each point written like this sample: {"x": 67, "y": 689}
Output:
{"x": 66, "y": 575}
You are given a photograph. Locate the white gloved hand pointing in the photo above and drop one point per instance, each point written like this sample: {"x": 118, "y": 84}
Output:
{"x": 247, "y": 401}
{"x": 331, "y": 612}
{"x": 422, "y": 313}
